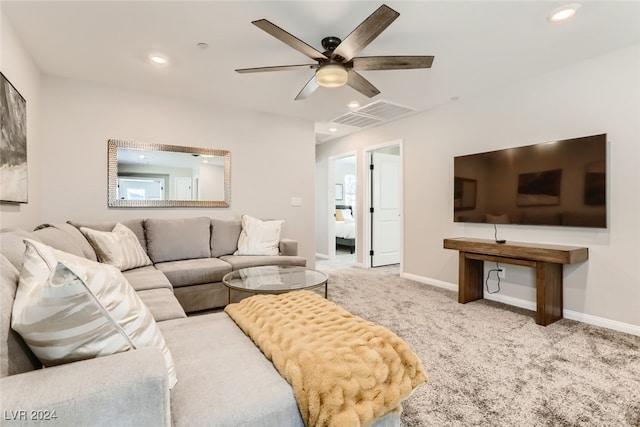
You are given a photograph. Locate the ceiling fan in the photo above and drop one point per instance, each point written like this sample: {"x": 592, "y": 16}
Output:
{"x": 338, "y": 64}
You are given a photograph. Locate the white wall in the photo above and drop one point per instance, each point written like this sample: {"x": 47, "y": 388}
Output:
{"x": 601, "y": 95}
{"x": 78, "y": 118}
{"x": 18, "y": 67}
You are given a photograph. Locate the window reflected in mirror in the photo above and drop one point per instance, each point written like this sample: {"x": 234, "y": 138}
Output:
{"x": 160, "y": 175}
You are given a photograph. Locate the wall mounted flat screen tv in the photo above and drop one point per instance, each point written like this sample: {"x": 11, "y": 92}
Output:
{"x": 560, "y": 183}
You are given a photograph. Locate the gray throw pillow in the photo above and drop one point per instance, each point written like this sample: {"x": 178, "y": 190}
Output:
{"x": 224, "y": 236}
{"x": 176, "y": 239}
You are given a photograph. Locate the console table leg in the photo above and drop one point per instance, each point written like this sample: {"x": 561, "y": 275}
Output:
{"x": 549, "y": 292}
{"x": 470, "y": 272}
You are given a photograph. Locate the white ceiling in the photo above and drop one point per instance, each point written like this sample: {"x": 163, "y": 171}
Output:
{"x": 478, "y": 46}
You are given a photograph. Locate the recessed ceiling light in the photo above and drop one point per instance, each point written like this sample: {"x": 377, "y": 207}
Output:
{"x": 563, "y": 13}
{"x": 333, "y": 129}
{"x": 353, "y": 104}
{"x": 158, "y": 60}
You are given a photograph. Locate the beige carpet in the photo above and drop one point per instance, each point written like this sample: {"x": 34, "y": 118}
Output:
{"x": 490, "y": 365}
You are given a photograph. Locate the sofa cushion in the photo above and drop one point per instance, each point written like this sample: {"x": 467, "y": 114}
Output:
{"x": 12, "y": 245}
{"x": 259, "y": 237}
{"x": 196, "y": 298}
{"x": 162, "y": 304}
{"x": 224, "y": 378}
{"x": 194, "y": 271}
{"x": 119, "y": 247}
{"x": 67, "y": 238}
{"x": 68, "y": 308}
{"x": 176, "y": 239}
{"x": 224, "y": 236}
{"x": 135, "y": 225}
{"x": 15, "y": 356}
{"x": 147, "y": 277}
{"x": 288, "y": 247}
{"x": 246, "y": 261}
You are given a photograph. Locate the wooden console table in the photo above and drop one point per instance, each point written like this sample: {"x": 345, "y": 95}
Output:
{"x": 546, "y": 259}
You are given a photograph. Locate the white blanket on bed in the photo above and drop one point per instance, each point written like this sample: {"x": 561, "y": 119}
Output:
{"x": 346, "y": 229}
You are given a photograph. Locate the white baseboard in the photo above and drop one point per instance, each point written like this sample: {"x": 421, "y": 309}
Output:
{"x": 531, "y": 305}
{"x": 428, "y": 281}
{"x": 322, "y": 256}
{"x": 516, "y": 302}
{"x": 601, "y": 321}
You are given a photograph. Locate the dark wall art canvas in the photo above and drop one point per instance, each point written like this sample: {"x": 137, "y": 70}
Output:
{"x": 13, "y": 144}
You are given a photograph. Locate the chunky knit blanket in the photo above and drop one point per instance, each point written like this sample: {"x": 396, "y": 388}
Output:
{"x": 344, "y": 370}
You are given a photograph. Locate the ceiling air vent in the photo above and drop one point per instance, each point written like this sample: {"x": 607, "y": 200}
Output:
{"x": 372, "y": 114}
{"x": 356, "y": 120}
{"x": 384, "y": 110}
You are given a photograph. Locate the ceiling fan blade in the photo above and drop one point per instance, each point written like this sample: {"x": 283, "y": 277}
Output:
{"x": 361, "y": 84}
{"x": 289, "y": 39}
{"x": 364, "y": 34}
{"x": 308, "y": 89}
{"x": 277, "y": 68}
{"x": 391, "y": 62}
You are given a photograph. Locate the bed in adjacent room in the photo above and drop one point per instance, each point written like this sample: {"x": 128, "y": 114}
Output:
{"x": 345, "y": 227}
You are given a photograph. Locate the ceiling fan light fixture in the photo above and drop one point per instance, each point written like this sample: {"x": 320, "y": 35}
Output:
{"x": 331, "y": 75}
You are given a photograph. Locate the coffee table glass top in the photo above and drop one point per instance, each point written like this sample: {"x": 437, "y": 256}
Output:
{"x": 274, "y": 279}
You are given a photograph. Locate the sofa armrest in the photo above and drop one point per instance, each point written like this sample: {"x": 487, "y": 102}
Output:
{"x": 125, "y": 389}
{"x": 288, "y": 247}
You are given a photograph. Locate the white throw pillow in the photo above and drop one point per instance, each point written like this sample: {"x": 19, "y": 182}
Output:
{"x": 119, "y": 247}
{"x": 69, "y": 308}
{"x": 259, "y": 237}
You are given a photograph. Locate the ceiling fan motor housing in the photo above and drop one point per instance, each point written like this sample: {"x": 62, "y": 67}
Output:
{"x": 330, "y": 44}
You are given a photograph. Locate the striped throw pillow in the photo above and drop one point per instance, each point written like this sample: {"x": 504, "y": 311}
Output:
{"x": 119, "y": 247}
{"x": 68, "y": 308}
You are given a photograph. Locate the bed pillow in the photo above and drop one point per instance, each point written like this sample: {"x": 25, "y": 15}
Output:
{"x": 119, "y": 247}
{"x": 68, "y": 308}
{"x": 259, "y": 237}
{"x": 346, "y": 214}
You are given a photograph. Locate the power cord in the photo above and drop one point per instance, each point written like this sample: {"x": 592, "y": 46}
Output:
{"x": 486, "y": 282}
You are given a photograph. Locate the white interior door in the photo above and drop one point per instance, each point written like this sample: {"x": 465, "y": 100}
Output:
{"x": 385, "y": 201}
{"x": 183, "y": 188}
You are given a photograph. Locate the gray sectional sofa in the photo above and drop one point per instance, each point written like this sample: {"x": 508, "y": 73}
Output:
{"x": 190, "y": 256}
{"x": 223, "y": 378}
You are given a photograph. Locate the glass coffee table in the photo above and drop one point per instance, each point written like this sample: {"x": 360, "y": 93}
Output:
{"x": 274, "y": 279}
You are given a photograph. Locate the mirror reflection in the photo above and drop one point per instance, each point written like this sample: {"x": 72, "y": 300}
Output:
{"x": 159, "y": 175}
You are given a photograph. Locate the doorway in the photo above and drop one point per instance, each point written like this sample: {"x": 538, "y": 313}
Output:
{"x": 343, "y": 210}
{"x": 384, "y": 202}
